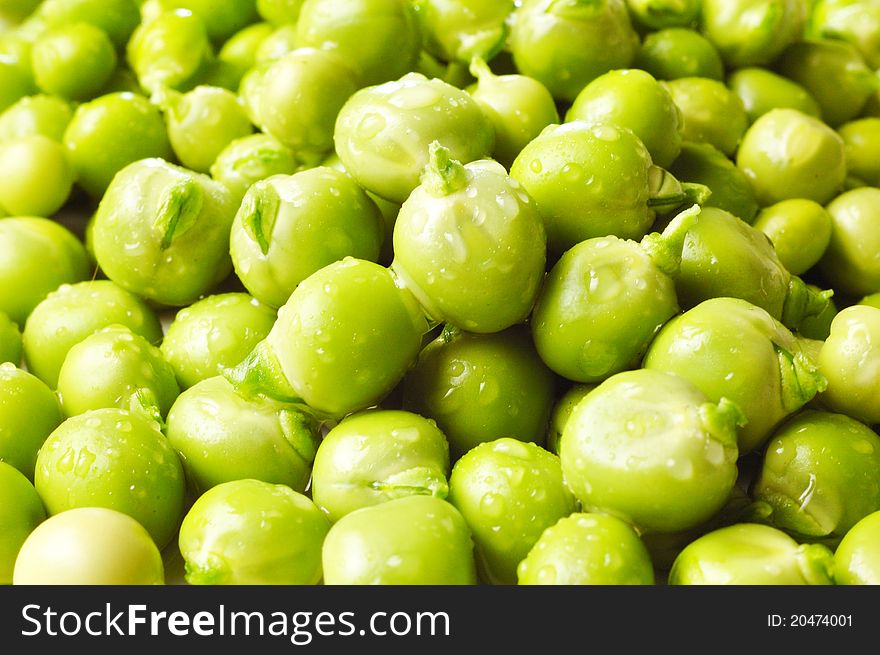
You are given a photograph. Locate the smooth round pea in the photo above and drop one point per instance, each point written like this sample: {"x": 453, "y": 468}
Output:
{"x": 250, "y": 159}
{"x": 729, "y": 348}
{"x": 459, "y": 30}
{"x": 518, "y": 106}
{"x": 169, "y": 51}
{"x": 222, "y": 437}
{"x": 751, "y": 554}
{"x": 587, "y": 549}
{"x": 72, "y": 313}
{"x": 752, "y": 32}
{"x": 10, "y": 341}
{"x": 290, "y": 226}
{"x": 857, "y": 558}
{"x": 40, "y": 114}
{"x": 509, "y": 492}
{"x": 118, "y": 18}
{"x": 330, "y": 344}
{"x": 849, "y": 263}
{"x": 162, "y": 232}
{"x": 202, "y": 122}
{"x": 416, "y": 540}
{"x": 834, "y": 73}
{"x": 110, "y": 132}
{"x": 280, "y": 42}
{"x": 703, "y": 163}
{"x": 74, "y": 61}
{"x": 762, "y": 90}
{"x": 37, "y": 178}
{"x": 820, "y": 475}
{"x": 279, "y": 12}
{"x": 110, "y": 368}
{"x": 37, "y": 256}
{"x": 850, "y": 359}
{"x": 377, "y": 456}
{"x": 651, "y": 448}
{"x": 800, "y": 230}
{"x": 252, "y": 532}
{"x": 861, "y": 139}
{"x": 854, "y": 21}
{"x": 479, "y": 388}
{"x": 21, "y": 511}
{"x": 383, "y": 133}
{"x": 788, "y": 154}
{"x": 562, "y": 411}
{"x": 101, "y": 547}
{"x": 676, "y": 52}
{"x": 222, "y": 18}
{"x": 214, "y": 334}
{"x": 15, "y": 84}
{"x": 710, "y": 112}
{"x": 116, "y": 459}
{"x": 565, "y": 46}
{"x": 389, "y": 52}
{"x": 240, "y": 51}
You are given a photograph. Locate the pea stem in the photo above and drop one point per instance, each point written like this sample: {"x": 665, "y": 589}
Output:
{"x": 443, "y": 175}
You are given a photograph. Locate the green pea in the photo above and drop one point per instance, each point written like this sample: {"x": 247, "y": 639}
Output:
{"x": 470, "y": 245}
{"x": 162, "y": 232}
{"x": 240, "y": 51}
{"x": 394, "y": 42}
{"x": 29, "y": 412}
{"x": 732, "y": 349}
{"x": 279, "y": 12}
{"x": 459, "y": 30}
{"x": 101, "y": 547}
{"x": 861, "y": 139}
{"x": 280, "y": 42}
{"x": 377, "y": 456}
{"x": 383, "y": 133}
{"x": 762, "y": 90}
{"x": 567, "y": 45}
{"x": 587, "y": 549}
{"x": 74, "y": 61}
{"x": 820, "y": 475}
{"x": 651, "y": 448}
{"x": 872, "y": 300}
{"x": 703, "y": 163}
{"x": 562, "y": 411}
{"x": 169, "y": 51}
{"x": 118, "y": 18}
{"x": 659, "y": 14}
{"x": 788, "y": 154}
{"x": 10, "y": 341}
{"x": 15, "y": 48}
{"x": 222, "y": 18}
{"x": 800, "y": 230}
{"x": 848, "y": 360}
{"x": 329, "y": 346}
{"x": 834, "y": 73}
{"x": 856, "y": 559}
{"x": 37, "y": 177}
{"x": 604, "y": 300}
{"x": 110, "y": 132}
{"x": 16, "y": 10}
{"x": 711, "y": 113}
{"x": 854, "y": 21}
{"x": 201, "y": 123}
{"x": 250, "y": 159}
{"x": 416, "y": 540}
{"x": 518, "y": 107}
{"x": 849, "y": 262}
{"x": 111, "y": 367}
{"x": 21, "y": 511}
{"x": 41, "y": 114}
{"x": 214, "y": 334}
{"x": 635, "y": 100}
{"x": 676, "y": 52}
{"x": 222, "y": 437}
{"x": 290, "y": 226}
{"x": 509, "y": 492}
{"x": 480, "y": 388}
{"x": 37, "y": 256}
{"x": 751, "y": 554}
{"x": 253, "y": 532}
{"x": 299, "y": 103}
{"x": 117, "y": 459}
{"x": 752, "y": 32}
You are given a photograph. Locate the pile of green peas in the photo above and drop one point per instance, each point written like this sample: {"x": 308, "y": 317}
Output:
{"x": 439, "y": 292}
